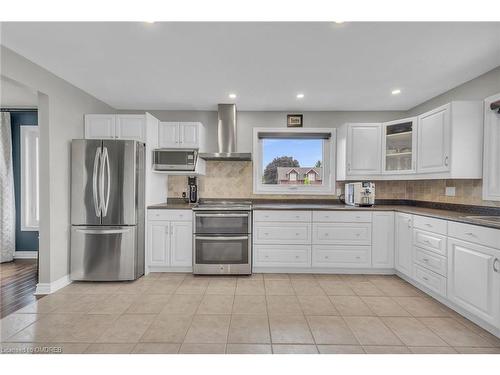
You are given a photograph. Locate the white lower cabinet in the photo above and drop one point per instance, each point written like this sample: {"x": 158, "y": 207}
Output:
{"x": 342, "y": 233}
{"x": 430, "y": 280}
{"x": 341, "y": 256}
{"x": 383, "y": 239}
{"x": 403, "y": 243}
{"x": 159, "y": 243}
{"x": 474, "y": 279}
{"x": 181, "y": 244}
{"x": 282, "y": 256}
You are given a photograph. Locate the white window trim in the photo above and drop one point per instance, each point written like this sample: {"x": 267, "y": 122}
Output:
{"x": 329, "y": 153}
{"x": 29, "y": 177}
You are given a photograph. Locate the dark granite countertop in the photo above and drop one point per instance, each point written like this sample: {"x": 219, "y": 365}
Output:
{"x": 462, "y": 216}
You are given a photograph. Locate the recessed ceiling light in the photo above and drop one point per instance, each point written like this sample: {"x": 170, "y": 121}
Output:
{"x": 232, "y": 96}
{"x": 396, "y": 92}
{"x": 300, "y": 96}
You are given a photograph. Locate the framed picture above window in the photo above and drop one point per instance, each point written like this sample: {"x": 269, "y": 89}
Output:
{"x": 298, "y": 161}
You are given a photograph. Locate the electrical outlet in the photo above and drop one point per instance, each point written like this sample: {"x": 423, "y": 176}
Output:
{"x": 450, "y": 191}
{"x": 339, "y": 191}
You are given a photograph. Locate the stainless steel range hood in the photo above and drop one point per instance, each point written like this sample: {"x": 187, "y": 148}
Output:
{"x": 226, "y": 136}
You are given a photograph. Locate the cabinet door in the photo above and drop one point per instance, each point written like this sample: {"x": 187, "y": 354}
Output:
{"x": 99, "y": 126}
{"x": 473, "y": 282}
{"x": 403, "y": 243}
{"x": 159, "y": 243}
{"x": 491, "y": 165}
{"x": 168, "y": 135}
{"x": 383, "y": 240}
{"x": 434, "y": 139}
{"x": 189, "y": 134}
{"x": 181, "y": 243}
{"x": 131, "y": 127}
{"x": 364, "y": 149}
{"x": 399, "y": 139}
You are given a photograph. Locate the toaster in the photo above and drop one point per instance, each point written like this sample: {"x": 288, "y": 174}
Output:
{"x": 360, "y": 194}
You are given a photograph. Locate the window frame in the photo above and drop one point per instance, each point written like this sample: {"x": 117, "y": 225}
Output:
{"x": 328, "y": 165}
{"x": 30, "y": 179}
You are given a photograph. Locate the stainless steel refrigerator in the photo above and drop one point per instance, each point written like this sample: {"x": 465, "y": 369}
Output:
{"x": 107, "y": 209}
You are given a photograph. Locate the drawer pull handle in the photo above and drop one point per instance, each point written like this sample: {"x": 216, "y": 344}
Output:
{"x": 358, "y": 234}
{"x": 297, "y": 216}
{"x": 428, "y": 225}
{"x": 425, "y": 260}
{"x": 266, "y": 234}
{"x": 358, "y": 257}
{"x": 425, "y": 278}
{"x": 326, "y": 234}
{"x": 427, "y": 242}
{"x": 326, "y": 256}
{"x": 358, "y": 217}
{"x": 296, "y": 257}
{"x": 471, "y": 234}
{"x": 495, "y": 268}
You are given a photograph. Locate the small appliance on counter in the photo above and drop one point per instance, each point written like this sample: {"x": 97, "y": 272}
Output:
{"x": 192, "y": 190}
{"x": 360, "y": 194}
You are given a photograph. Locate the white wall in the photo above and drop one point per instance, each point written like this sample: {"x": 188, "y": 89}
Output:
{"x": 60, "y": 109}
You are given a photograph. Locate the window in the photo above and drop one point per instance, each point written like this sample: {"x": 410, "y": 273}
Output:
{"x": 294, "y": 161}
{"x": 29, "y": 178}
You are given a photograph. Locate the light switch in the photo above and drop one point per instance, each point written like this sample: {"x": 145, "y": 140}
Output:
{"x": 450, "y": 191}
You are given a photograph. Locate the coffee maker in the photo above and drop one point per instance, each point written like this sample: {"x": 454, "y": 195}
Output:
{"x": 192, "y": 190}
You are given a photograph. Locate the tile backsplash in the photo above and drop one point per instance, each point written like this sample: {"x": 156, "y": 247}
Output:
{"x": 233, "y": 179}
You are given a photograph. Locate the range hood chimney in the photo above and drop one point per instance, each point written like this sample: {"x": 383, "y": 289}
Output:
{"x": 226, "y": 136}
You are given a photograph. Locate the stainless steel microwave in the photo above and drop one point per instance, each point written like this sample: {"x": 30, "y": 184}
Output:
{"x": 171, "y": 159}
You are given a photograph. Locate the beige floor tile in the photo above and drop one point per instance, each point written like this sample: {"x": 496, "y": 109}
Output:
{"x": 374, "y": 349}
{"x": 156, "y": 348}
{"x": 107, "y": 287}
{"x": 168, "y": 328}
{"x": 182, "y": 304}
{"x": 276, "y": 276}
{"x": 100, "y": 348}
{"x": 308, "y": 287}
{"x": 317, "y": 305}
{"x": 136, "y": 287}
{"x": 208, "y": 329}
{"x": 351, "y": 306}
{"x": 283, "y": 305}
{"x": 202, "y": 348}
{"x": 371, "y": 331}
{"x": 164, "y": 286}
{"x": 385, "y": 306}
{"x": 196, "y": 285}
{"x": 14, "y": 323}
{"x": 295, "y": 349}
{"x": 301, "y": 276}
{"x": 422, "y": 306}
{"x": 225, "y": 286}
{"x": 331, "y": 330}
{"x": 398, "y": 289}
{"x": 279, "y": 287}
{"x": 467, "y": 350}
{"x": 43, "y": 348}
{"x": 114, "y": 304}
{"x": 76, "y": 287}
{"x": 432, "y": 350}
{"x": 290, "y": 329}
{"x": 86, "y": 329}
{"x": 365, "y": 288}
{"x": 78, "y": 303}
{"x": 172, "y": 275}
{"x": 340, "y": 349}
{"x": 412, "y": 332}
{"x": 495, "y": 341}
{"x": 216, "y": 304}
{"x": 128, "y": 328}
{"x": 336, "y": 288}
{"x": 454, "y": 333}
{"x": 249, "y": 329}
{"x": 43, "y": 305}
{"x": 353, "y": 279}
{"x": 249, "y": 305}
{"x": 248, "y": 349}
{"x": 148, "y": 304}
{"x": 250, "y": 287}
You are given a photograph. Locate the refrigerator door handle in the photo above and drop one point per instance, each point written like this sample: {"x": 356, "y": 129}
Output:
{"x": 97, "y": 205}
{"x": 103, "y": 231}
{"x": 108, "y": 178}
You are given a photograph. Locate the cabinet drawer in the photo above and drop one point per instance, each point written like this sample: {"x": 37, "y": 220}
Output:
{"x": 341, "y": 256}
{"x": 282, "y": 215}
{"x": 342, "y": 217}
{"x": 431, "y": 280}
{"x": 282, "y": 256}
{"x": 174, "y": 215}
{"x": 430, "y": 241}
{"x": 282, "y": 233}
{"x": 430, "y": 260}
{"x": 342, "y": 233}
{"x": 474, "y": 233}
{"x": 430, "y": 224}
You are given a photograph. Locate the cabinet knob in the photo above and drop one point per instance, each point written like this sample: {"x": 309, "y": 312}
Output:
{"x": 425, "y": 260}
{"x": 357, "y": 234}
{"x": 326, "y": 256}
{"x": 495, "y": 268}
{"x": 296, "y": 257}
{"x": 358, "y": 257}
{"x": 425, "y": 278}
{"x": 470, "y": 234}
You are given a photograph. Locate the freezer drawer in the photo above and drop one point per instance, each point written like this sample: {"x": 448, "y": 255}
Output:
{"x": 106, "y": 253}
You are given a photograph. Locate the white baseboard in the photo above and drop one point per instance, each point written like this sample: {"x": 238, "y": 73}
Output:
{"x": 48, "y": 288}
{"x": 25, "y": 254}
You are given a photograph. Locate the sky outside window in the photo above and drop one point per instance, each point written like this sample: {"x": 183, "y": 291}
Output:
{"x": 306, "y": 151}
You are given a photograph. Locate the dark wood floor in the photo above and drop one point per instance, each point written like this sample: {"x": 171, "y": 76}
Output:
{"x": 18, "y": 281}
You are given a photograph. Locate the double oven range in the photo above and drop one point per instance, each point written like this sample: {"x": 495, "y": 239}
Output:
{"x": 222, "y": 238}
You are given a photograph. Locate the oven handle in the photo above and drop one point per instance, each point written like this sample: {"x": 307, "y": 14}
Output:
{"x": 226, "y": 238}
{"x": 221, "y": 215}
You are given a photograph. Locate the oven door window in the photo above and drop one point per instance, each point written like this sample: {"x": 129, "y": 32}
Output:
{"x": 230, "y": 223}
{"x": 221, "y": 250}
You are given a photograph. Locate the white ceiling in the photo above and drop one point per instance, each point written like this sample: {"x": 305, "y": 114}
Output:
{"x": 15, "y": 95}
{"x": 349, "y": 66}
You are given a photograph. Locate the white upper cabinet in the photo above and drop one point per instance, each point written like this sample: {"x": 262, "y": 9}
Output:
{"x": 434, "y": 139}
{"x": 399, "y": 144}
{"x": 363, "y": 149}
{"x": 100, "y": 126}
{"x": 115, "y": 127}
{"x": 491, "y": 168}
{"x": 403, "y": 243}
{"x": 179, "y": 134}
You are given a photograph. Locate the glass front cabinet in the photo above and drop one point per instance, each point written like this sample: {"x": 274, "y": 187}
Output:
{"x": 399, "y": 146}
